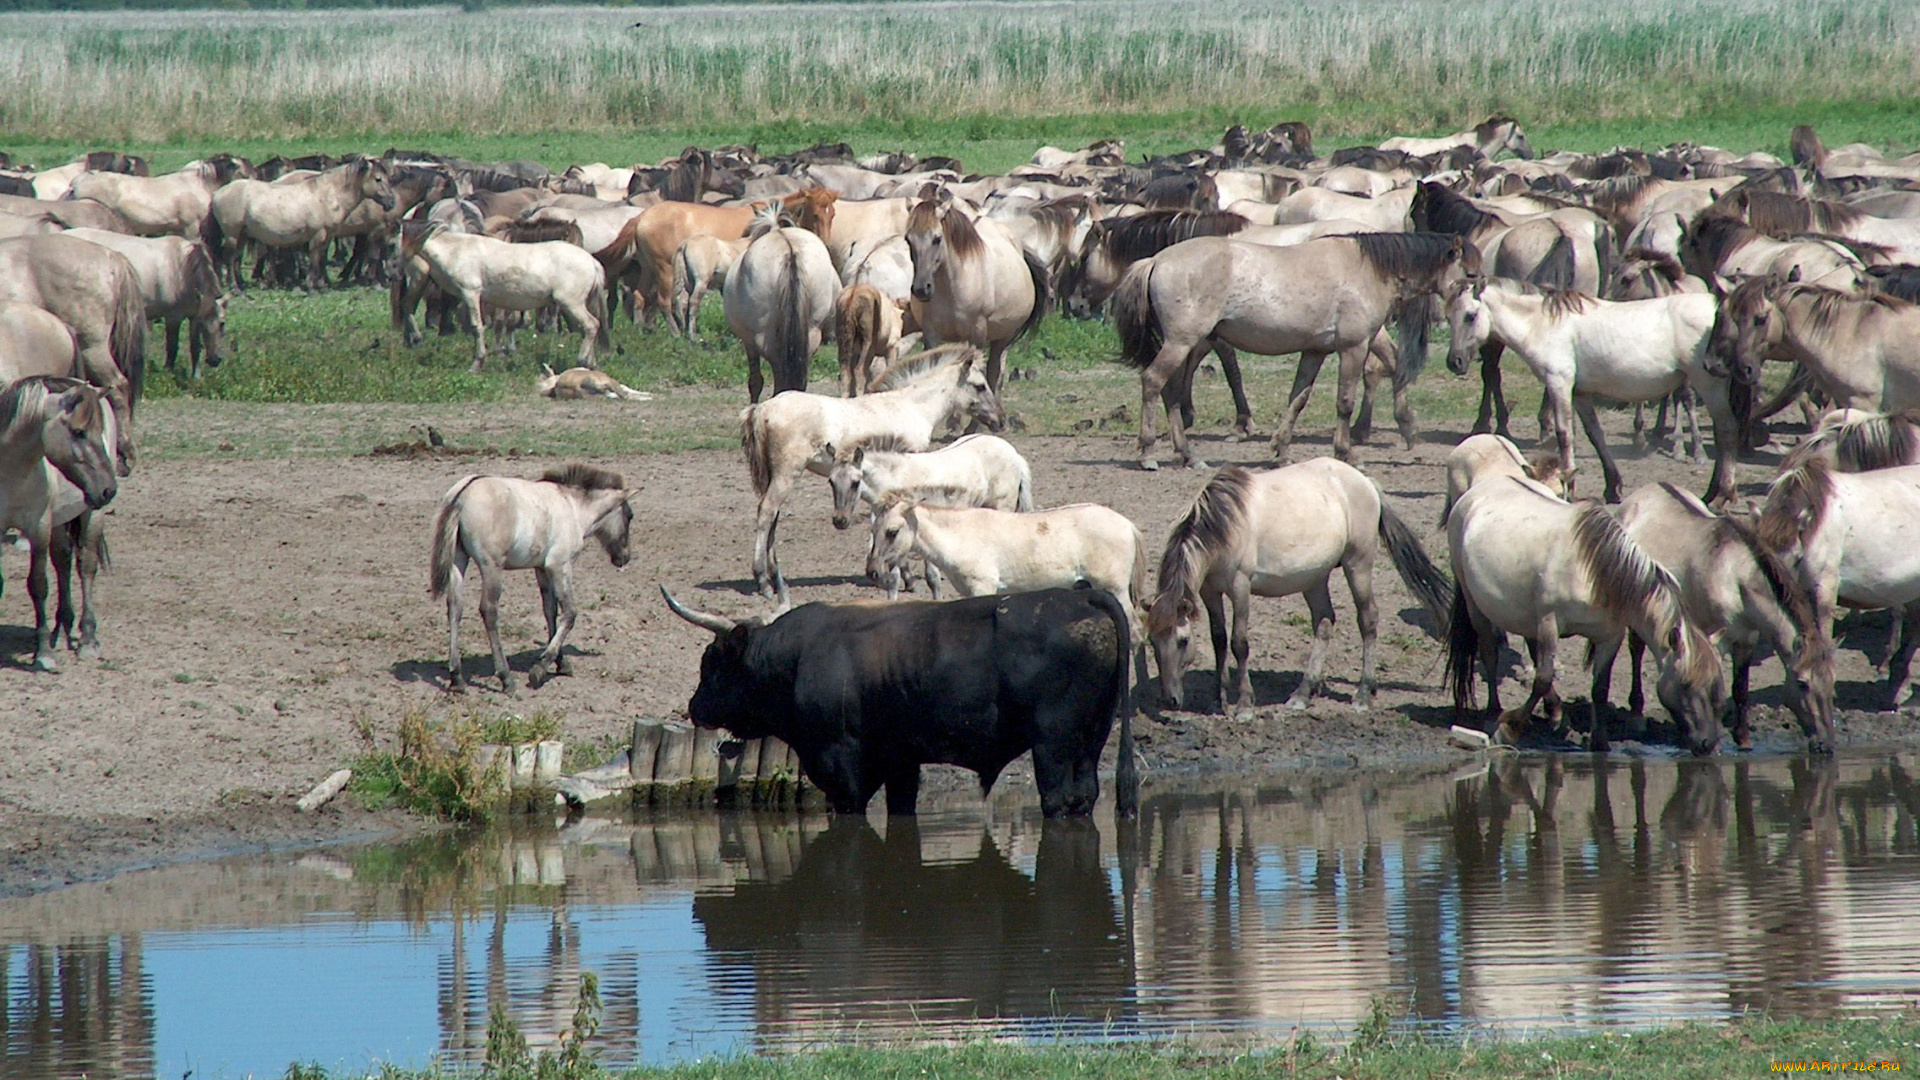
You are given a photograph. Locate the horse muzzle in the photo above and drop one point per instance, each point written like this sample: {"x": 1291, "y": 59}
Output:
{"x": 1457, "y": 362}
{"x": 923, "y": 293}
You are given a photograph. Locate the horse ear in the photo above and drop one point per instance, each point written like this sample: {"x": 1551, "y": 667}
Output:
{"x": 859, "y": 456}
{"x": 1676, "y": 638}
{"x": 1793, "y": 276}
{"x": 1479, "y": 289}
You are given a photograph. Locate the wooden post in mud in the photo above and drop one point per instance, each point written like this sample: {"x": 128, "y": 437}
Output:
{"x": 674, "y": 763}
{"x": 646, "y": 747}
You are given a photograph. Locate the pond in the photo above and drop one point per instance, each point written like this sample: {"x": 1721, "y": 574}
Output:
{"x": 1524, "y": 895}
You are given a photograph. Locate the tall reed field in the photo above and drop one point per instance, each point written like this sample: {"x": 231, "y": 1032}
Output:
{"x": 962, "y": 72}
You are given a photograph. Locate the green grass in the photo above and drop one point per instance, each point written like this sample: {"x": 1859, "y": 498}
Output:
{"x": 985, "y": 82}
{"x": 1676, "y": 1053}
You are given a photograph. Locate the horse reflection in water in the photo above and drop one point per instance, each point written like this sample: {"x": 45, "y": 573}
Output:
{"x": 925, "y": 940}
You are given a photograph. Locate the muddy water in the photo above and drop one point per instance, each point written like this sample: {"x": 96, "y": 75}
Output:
{"x": 1531, "y": 895}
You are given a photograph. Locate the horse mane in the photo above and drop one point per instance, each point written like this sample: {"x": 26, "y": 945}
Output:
{"x": 1615, "y": 193}
{"x": 1217, "y": 516}
{"x": 1877, "y": 442}
{"x": 1485, "y": 129}
{"x": 1865, "y": 250}
{"x": 1628, "y": 585}
{"x": 536, "y": 232}
{"x": 1658, "y": 261}
{"x": 1790, "y": 588}
{"x": 27, "y": 393}
{"x": 1059, "y": 216}
{"x": 1405, "y": 254}
{"x": 912, "y": 369}
{"x": 1805, "y": 147}
{"x": 1778, "y": 214}
{"x": 584, "y": 477}
{"x": 1143, "y": 235}
{"x": 1718, "y": 235}
{"x": 1900, "y": 280}
{"x": 202, "y": 277}
{"x": 1826, "y": 306}
{"x": 1370, "y": 158}
{"x": 888, "y": 443}
{"x": 962, "y": 239}
{"x": 1803, "y": 491}
{"x": 1448, "y": 212}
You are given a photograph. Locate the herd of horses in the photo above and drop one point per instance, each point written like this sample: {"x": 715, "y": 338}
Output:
{"x": 1661, "y": 278}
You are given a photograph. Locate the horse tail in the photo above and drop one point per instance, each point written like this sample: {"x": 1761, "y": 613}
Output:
{"x": 753, "y": 442}
{"x": 682, "y": 290}
{"x": 597, "y": 305}
{"x": 790, "y": 342}
{"x": 1557, "y": 268}
{"x": 1042, "y": 295}
{"x": 1605, "y": 243}
{"x": 1463, "y": 648}
{"x": 212, "y": 235}
{"x": 128, "y": 337}
{"x": 446, "y": 539}
{"x": 1428, "y": 583}
{"x": 1134, "y": 317}
{"x": 1023, "y": 497}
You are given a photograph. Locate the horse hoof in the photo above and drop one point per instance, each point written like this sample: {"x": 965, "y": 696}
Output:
{"x": 1149, "y": 465}
{"x": 1244, "y": 714}
{"x": 1363, "y": 704}
{"x": 1297, "y": 703}
{"x": 89, "y": 651}
{"x": 509, "y": 684}
{"x": 563, "y": 666}
{"x": 1196, "y": 463}
{"x": 46, "y": 663}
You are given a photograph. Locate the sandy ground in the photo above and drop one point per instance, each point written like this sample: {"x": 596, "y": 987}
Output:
{"x": 261, "y": 612}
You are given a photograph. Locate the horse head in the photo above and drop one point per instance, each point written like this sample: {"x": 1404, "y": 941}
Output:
{"x": 1745, "y": 329}
{"x": 77, "y": 432}
{"x": 845, "y": 478}
{"x": 895, "y": 529}
{"x": 375, "y": 181}
{"x": 1469, "y": 322}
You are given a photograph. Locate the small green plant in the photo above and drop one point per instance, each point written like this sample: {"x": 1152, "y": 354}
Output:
{"x": 512, "y": 729}
{"x": 1375, "y": 1030}
{"x": 508, "y": 1057}
{"x": 432, "y": 768}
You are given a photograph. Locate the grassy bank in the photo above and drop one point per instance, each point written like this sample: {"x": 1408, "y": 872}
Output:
{"x": 1678, "y": 1053}
{"x": 633, "y": 84}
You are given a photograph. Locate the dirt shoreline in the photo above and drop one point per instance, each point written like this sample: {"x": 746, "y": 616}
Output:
{"x": 262, "y": 613}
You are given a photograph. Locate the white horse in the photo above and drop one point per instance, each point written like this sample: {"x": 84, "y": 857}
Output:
{"x": 783, "y": 436}
{"x": 702, "y": 263}
{"x": 1526, "y": 562}
{"x": 779, "y": 301}
{"x": 50, "y": 429}
{"x": 981, "y": 551}
{"x": 180, "y": 283}
{"x": 884, "y": 262}
{"x": 1582, "y": 348}
{"x": 972, "y": 283}
{"x": 1277, "y": 533}
{"x": 488, "y": 274}
{"x": 1497, "y": 133}
{"x": 973, "y": 470}
{"x": 503, "y": 523}
{"x": 297, "y": 213}
{"x": 176, "y": 204}
{"x": 1482, "y": 457}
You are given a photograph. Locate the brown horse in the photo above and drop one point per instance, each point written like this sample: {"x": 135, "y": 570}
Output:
{"x": 647, "y": 246}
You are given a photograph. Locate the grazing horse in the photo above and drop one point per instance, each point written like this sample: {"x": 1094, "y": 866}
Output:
{"x": 972, "y": 283}
{"x": 50, "y": 429}
{"x": 1582, "y": 348}
{"x": 1863, "y": 350}
{"x": 488, "y": 274}
{"x": 180, "y": 283}
{"x": 1330, "y": 295}
{"x": 786, "y": 435}
{"x": 1277, "y": 533}
{"x": 294, "y": 213}
{"x": 973, "y": 470}
{"x": 503, "y": 523}
{"x": 96, "y": 292}
{"x": 1738, "y": 591}
{"x": 1526, "y": 562}
{"x": 1848, "y": 535}
{"x": 779, "y": 301}
{"x": 1780, "y": 215}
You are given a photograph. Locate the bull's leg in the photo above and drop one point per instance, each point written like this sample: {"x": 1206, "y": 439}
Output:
{"x": 456, "y": 678}
{"x": 1303, "y": 379}
{"x": 903, "y": 790}
{"x": 1598, "y": 699}
{"x": 1590, "y": 420}
{"x": 1215, "y": 603}
{"x": 1237, "y": 386}
{"x": 1367, "y": 614}
{"x": 1053, "y": 772}
{"x": 1353, "y": 364}
{"x": 43, "y": 657}
{"x": 492, "y": 581}
{"x": 1320, "y": 610}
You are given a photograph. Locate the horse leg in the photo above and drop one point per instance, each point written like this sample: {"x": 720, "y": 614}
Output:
{"x": 1237, "y": 386}
{"x": 43, "y": 657}
{"x": 1177, "y": 398}
{"x": 1726, "y": 441}
{"x": 1154, "y": 380}
{"x": 173, "y": 341}
{"x": 317, "y": 263}
{"x": 996, "y": 369}
{"x": 1320, "y": 610}
{"x": 1493, "y": 401}
{"x": 1215, "y": 603}
{"x": 1241, "y": 596}
{"x": 1541, "y": 646}
{"x": 1403, "y": 416}
{"x": 1741, "y": 653}
{"x": 1636, "y": 692}
{"x": 557, "y": 596}
{"x": 1590, "y": 420}
{"x": 1597, "y": 699}
{"x": 88, "y": 536}
{"x": 456, "y": 678}
{"x": 1303, "y": 379}
{"x": 1367, "y": 614}
{"x": 589, "y": 331}
{"x": 756, "y": 382}
{"x": 1561, "y": 399}
{"x": 550, "y": 608}
{"x": 1640, "y": 423}
{"x": 492, "y": 581}
{"x": 60, "y": 560}
{"x": 1489, "y": 639}
{"x": 1353, "y": 363}
{"x": 478, "y": 321}
{"x": 1899, "y": 668}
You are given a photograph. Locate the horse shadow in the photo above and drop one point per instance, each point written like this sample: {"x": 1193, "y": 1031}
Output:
{"x": 477, "y": 667}
{"x": 747, "y": 586}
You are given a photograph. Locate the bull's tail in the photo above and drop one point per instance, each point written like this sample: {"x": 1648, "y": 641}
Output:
{"x": 753, "y": 443}
{"x": 446, "y": 540}
{"x": 1463, "y": 647}
{"x": 1428, "y": 583}
{"x": 1134, "y": 317}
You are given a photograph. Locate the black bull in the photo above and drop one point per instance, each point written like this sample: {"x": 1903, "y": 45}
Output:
{"x": 867, "y": 693}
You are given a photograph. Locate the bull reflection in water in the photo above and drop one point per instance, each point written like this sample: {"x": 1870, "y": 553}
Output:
{"x": 868, "y": 933}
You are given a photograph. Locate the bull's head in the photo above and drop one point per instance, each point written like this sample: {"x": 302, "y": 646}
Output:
{"x": 724, "y": 697}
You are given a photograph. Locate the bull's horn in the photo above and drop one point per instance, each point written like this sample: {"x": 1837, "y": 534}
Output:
{"x": 719, "y": 624}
